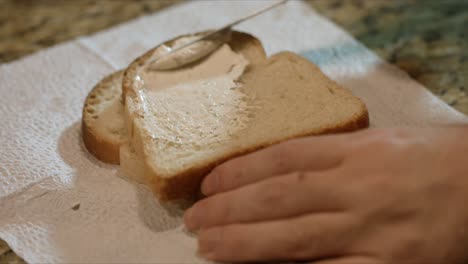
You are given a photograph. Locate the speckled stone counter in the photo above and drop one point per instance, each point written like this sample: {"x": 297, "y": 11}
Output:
{"x": 426, "y": 38}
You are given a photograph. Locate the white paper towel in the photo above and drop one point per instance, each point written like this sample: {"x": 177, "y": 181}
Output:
{"x": 58, "y": 204}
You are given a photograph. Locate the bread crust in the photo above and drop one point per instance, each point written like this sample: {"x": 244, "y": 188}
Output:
{"x": 103, "y": 148}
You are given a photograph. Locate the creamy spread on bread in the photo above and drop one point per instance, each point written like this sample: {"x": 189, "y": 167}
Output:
{"x": 197, "y": 104}
{"x": 186, "y": 55}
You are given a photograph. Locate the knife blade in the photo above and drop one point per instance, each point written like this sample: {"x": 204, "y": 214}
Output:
{"x": 220, "y": 36}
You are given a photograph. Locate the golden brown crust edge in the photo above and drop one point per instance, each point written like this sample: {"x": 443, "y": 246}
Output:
{"x": 104, "y": 150}
{"x": 187, "y": 185}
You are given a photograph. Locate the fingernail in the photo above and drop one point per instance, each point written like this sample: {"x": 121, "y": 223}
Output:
{"x": 208, "y": 241}
{"x": 208, "y": 185}
{"x": 190, "y": 219}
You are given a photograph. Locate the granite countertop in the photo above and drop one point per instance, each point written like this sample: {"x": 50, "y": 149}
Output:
{"x": 426, "y": 38}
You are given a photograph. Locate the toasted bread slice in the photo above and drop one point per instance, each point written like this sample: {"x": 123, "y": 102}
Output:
{"x": 277, "y": 99}
{"x": 103, "y": 127}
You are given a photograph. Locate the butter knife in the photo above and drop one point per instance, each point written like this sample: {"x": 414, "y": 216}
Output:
{"x": 174, "y": 58}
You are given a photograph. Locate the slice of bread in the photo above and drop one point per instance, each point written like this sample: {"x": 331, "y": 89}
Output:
{"x": 277, "y": 99}
{"x": 103, "y": 130}
{"x": 131, "y": 165}
{"x": 103, "y": 127}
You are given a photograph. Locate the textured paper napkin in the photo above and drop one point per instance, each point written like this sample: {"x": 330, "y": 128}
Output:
{"x": 58, "y": 204}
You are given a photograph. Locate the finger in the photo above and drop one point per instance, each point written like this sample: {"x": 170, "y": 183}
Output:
{"x": 279, "y": 197}
{"x": 348, "y": 260}
{"x": 302, "y": 238}
{"x": 312, "y": 153}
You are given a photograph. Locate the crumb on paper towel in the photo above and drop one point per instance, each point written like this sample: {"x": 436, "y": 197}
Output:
{"x": 76, "y": 207}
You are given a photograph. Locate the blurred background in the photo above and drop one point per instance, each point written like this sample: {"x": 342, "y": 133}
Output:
{"x": 426, "y": 38}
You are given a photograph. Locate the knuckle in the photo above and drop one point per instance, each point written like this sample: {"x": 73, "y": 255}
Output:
{"x": 219, "y": 176}
{"x": 382, "y": 143}
{"x": 222, "y": 211}
{"x": 273, "y": 193}
{"x": 378, "y": 142}
{"x": 299, "y": 176}
{"x": 303, "y": 243}
{"x": 222, "y": 237}
{"x": 389, "y": 137}
{"x": 389, "y": 132}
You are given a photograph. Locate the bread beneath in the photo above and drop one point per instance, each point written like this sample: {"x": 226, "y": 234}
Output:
{"x": 280, "y": 98}
{"x": 103, "y": 127}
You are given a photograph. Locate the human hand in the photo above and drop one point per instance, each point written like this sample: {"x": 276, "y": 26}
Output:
{"x": 375, "y": 196}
